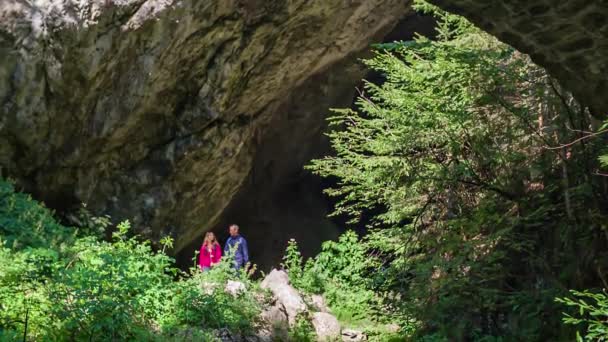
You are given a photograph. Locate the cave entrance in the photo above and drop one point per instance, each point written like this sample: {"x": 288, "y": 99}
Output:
{"x": 281, "y": 200}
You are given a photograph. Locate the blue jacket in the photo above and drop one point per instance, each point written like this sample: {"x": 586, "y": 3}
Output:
{"x": 241, "y": 253}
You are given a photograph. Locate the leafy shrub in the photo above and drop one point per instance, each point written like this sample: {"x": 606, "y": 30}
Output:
{"x": 110, "y": 290}
{"x": 340, "y": 272}
{"x": 26, "y": 223}
{"x": 59, "y": 283}
{"x": 302, "y": 331}
{"x": 293, "y": 265}
{"x": 201, "y": 300}
{"x": 23, "y": 295}
{"x": 591, "y": 314}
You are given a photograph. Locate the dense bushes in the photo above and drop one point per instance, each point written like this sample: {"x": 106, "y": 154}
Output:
{"x": 210, "y": 306}
{"x": 339, "y": 273}
{"x": 60, "y": 283}
{"x": 591, "y": 315}
{"x": 18, "y": 211}
{"x": 346, "y": 274}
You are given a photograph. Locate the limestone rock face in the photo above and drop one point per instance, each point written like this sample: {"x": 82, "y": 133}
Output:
{"x": 569, "y": 38}
{"x": 154, "y": 110}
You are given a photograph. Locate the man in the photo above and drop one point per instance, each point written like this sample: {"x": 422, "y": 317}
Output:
{"x": 238, "y": 245}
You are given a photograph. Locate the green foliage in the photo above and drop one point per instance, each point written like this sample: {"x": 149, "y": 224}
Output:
{"x": 65, "y": 286}
{"x": 18, "y": 210}
{"x": 201, "y": 300}
{"x": 110, "y": 289}
{"x": 342, "y": 271}
{"x": 339, "y": 272}
{"x": 604, "y": 160}
{"x": 591, "y": 314}
{"x": 302, "y": 331}
{"x": 604, "y": 157}
{"x": 23, "y": 297}
{"x": 292, "y": 263}
{"x": 449, "y": 26}
{"x": 88, "y": 224}
{"x": 482, "y": 214}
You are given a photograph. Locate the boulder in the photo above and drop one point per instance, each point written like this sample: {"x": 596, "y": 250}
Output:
{"x": 226, "y": 335}
{"x": 262, "y": 336}
{"x": 318, "y": 303}
{"x": 276, "y": 324}
{"x": 278, "y": 283}
{"x": 351, "y": 335}
{"x": 275, "y": 315}
{"x": 234, "y": 287}
{"x": 326, "y": 326}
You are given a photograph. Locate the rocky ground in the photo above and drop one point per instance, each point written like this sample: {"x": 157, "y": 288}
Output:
{"x": 285, "y": 308}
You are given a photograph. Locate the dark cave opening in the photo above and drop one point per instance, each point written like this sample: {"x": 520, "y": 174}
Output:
{"x": 282, "y": 200}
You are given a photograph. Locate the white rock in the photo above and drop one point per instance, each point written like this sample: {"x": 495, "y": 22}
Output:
{"x": 326, "y": 326}
{"x": 351, "y": 335}
{"x": 275, "y": 277}
{"x": 278, "y": 283}
{"x": 393, "y": 328}
{"x": 318, "y": 302}
{"x": 275, "y": 315}
{"x": 235, "y": 287}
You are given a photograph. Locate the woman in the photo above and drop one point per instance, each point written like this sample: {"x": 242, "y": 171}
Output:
{"x": 210, "y": 253}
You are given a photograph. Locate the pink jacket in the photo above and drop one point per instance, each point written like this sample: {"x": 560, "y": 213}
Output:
{"x": 206, "y": 257}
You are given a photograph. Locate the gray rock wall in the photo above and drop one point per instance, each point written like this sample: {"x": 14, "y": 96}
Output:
{"x": 154, "y": 110}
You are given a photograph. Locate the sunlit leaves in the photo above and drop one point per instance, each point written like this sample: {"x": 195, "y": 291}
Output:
{"x": 592, "y": 309}
{"x": 70, "y": 286}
